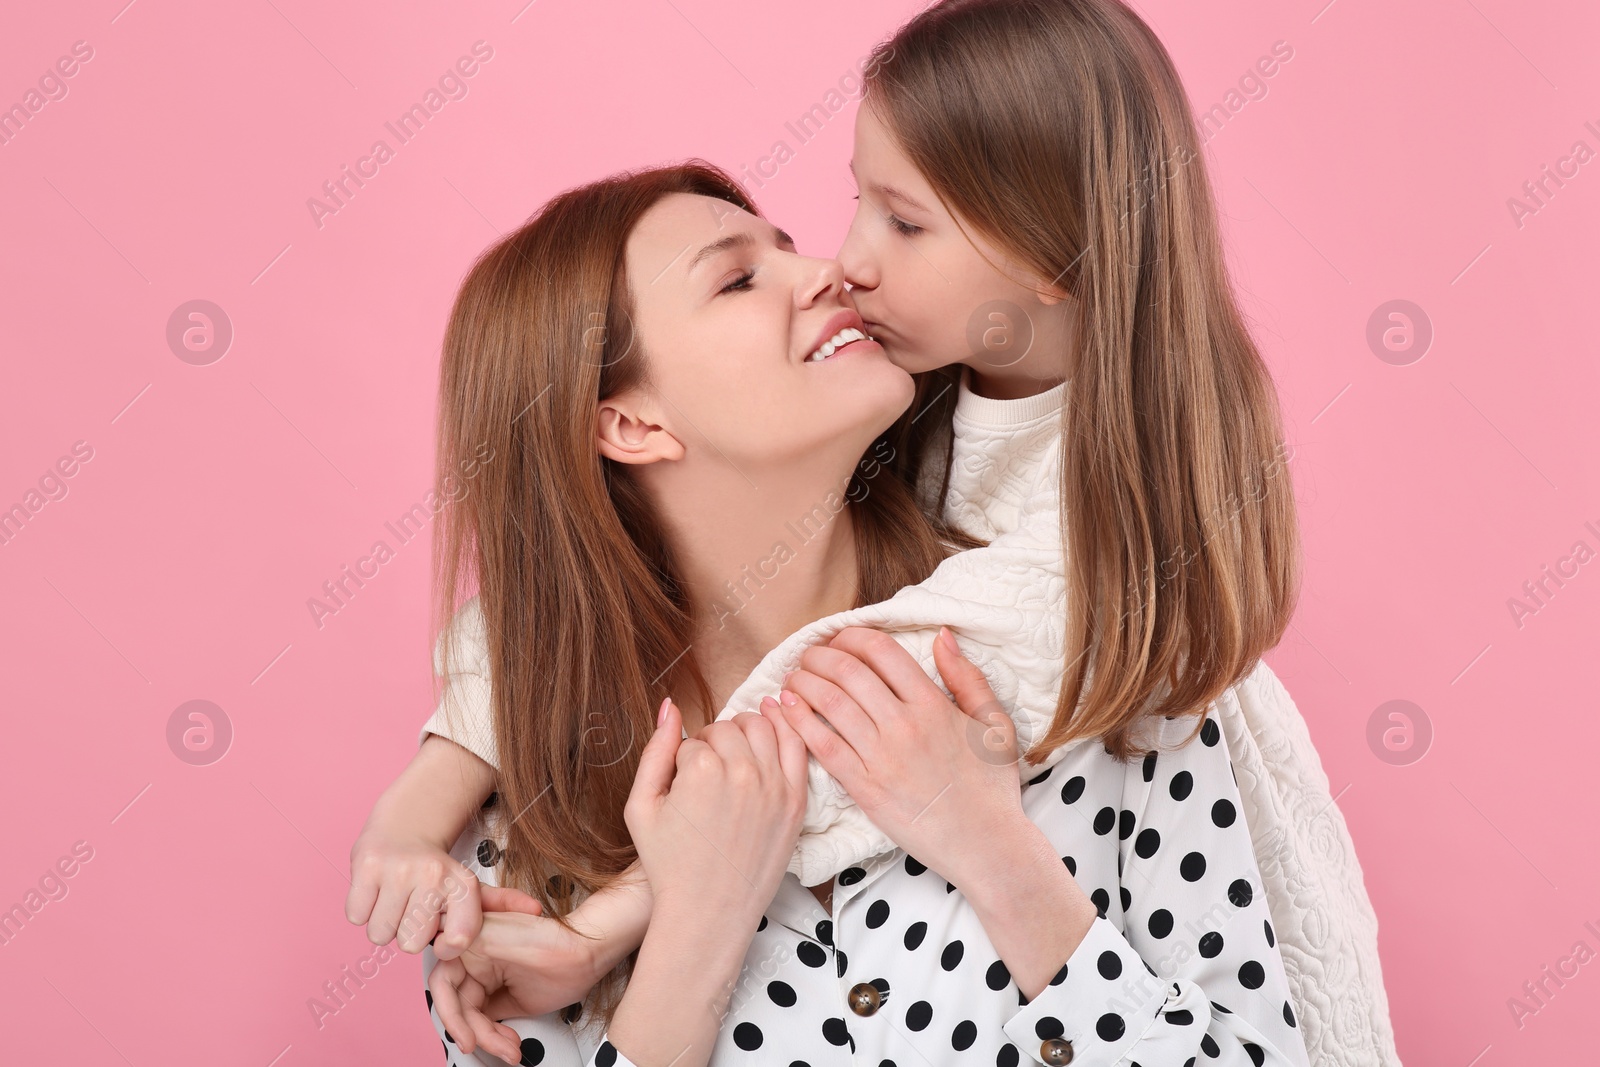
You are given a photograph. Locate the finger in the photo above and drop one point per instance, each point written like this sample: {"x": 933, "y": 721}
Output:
{"x": 658, "y": 761}
{"x": 866, "y": 690}
{"x": 482, "y": 1029}
{"x": 462, "y": 919}
{"x": 727, "y": 740}
{"x": 836, "y": 706}
{"x": 420, "y": 921}
{"x": 363, "y": 895}
{"x": 763, "y": 742}
{"x": 791, "y": 746}
{"x": 386, "y": 915}
{"x": 831, "y": 751}
{"x": 508, "y": 898}
{"x": 443, "y": 982}
{"x": 508, "y": 1044}
{"x": 473, "y": 1027}
{"x": 964, "y": 679}
{"x": 889, "y": 660}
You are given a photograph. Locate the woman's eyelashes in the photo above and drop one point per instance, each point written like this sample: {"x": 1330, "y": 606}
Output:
{"x": 741, "y": 283}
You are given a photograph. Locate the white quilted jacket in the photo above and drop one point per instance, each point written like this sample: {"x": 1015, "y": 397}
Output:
{"x": 1006, "y": 604}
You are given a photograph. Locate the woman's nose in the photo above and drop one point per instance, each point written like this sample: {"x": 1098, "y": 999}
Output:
{"x": 825, "y": 276}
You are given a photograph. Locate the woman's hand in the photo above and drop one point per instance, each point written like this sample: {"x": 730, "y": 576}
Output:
{"x": 715, "y": 817}
{"x": 498, "y": 972}
{"x": 939, "y": 779}
{"x": 525, "y": 963}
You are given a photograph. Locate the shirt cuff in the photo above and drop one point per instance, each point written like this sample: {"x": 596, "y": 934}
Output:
{"x": 1101, "y": 1002}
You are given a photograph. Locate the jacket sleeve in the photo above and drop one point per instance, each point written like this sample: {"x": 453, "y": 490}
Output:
{"x": 1190, "y": 974}
{"x": 465, "y": 713}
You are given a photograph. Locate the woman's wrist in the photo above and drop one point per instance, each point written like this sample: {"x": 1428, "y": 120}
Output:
{"x": 628, "y": 920}
{"x": 678, "y": 995}
{"x": 1030, "y": 906}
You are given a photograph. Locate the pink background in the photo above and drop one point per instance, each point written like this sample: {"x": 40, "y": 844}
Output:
{"x": 178, "y": 566}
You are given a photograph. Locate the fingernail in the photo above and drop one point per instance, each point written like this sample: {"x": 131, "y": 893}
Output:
{"x": 765, "y": 701}
{"x": 661, "y": 716}
{"x": 788, "y": 698}
{"x": 949, "y": 640}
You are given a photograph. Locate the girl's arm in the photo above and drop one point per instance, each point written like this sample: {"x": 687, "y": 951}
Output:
{"x": 401, "y": 872}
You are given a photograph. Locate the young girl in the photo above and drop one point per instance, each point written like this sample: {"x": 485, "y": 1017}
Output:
{"x": 1072, "y": 161}
{"x": 629, "y": 483}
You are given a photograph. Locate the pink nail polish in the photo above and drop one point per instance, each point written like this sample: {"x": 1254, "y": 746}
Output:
{"x": 789, "y": 698}
{"x": 661, "y": 715}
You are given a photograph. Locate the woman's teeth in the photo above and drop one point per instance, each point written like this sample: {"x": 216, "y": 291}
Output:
{"x": 836, "y": 342}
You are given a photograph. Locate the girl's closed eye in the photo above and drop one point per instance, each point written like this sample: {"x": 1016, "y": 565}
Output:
{"x": 899, "y": 225}
{"x": 902, "y": 227}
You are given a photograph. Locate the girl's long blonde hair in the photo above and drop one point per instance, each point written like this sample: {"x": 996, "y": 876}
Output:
{"x": 586, "y": 619}
{"x": 1061, "y": 131}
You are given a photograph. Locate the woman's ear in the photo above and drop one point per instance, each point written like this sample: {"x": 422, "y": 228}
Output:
{"x": 1051, "y": 294}
{"x": 630, "y": 430}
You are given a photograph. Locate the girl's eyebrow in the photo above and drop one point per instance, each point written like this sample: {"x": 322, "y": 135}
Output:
{"x": 889, "y": 192}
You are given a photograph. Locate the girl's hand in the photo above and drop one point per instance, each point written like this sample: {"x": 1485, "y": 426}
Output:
{"x": 407, "y": 885}
{"x": 936, "y": 777}
{"x": 715, "y": 817}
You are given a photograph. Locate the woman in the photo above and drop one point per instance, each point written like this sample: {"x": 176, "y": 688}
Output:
{"x": 658, "y": 418}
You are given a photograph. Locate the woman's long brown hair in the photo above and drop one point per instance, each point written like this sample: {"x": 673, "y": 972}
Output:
{"x": 1061, "y": 131}
{"x": 586, "y": 620}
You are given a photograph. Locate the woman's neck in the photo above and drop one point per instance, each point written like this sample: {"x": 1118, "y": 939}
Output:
{"x": 759, "y": 562}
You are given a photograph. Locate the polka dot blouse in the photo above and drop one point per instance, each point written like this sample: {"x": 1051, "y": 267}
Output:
{"x": 1179, "y": 969}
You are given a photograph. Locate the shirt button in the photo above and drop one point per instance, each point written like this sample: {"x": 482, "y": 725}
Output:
{"x": 864, "y": 998}
{"x": 1056, "y": 1051}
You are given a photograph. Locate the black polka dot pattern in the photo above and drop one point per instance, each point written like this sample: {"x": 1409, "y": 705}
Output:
{"x": 1179, "y": 965}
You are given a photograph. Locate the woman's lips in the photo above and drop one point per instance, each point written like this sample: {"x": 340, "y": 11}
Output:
{"x": 853, "y": 346}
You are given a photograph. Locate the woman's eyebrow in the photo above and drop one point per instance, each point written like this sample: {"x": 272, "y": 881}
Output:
{"x": 721, "y": 244}
{"x": 733, "y": 240}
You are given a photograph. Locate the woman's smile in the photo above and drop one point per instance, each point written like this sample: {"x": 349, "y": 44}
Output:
{"x": 851, "y": 341}
{"x": 842, "y": 330}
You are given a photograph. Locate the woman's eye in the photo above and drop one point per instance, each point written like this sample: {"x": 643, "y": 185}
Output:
{"x": 739, "y": 284}
{"x": 902, "y": 227}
